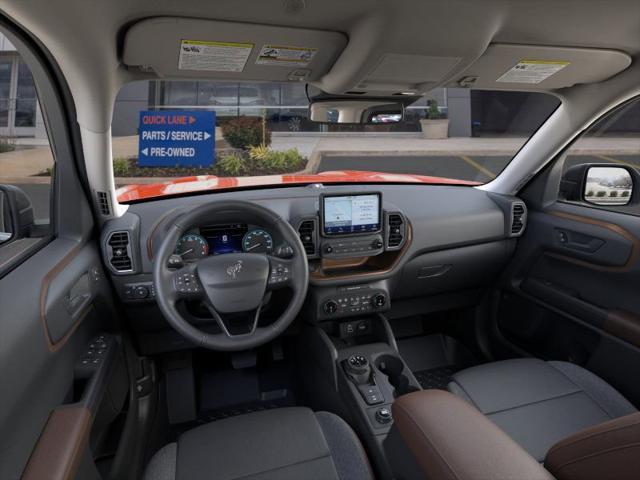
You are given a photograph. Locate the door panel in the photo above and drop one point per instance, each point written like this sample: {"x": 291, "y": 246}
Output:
{"x": 59, "y": 395}
{"x": 42, "y": 344}
{"x": 572, "y": 292}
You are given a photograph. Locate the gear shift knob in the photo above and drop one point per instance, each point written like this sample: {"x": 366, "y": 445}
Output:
{"x": 358, "y": 367}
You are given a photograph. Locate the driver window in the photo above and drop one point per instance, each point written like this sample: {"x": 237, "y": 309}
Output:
{"x": 26, "y": 159}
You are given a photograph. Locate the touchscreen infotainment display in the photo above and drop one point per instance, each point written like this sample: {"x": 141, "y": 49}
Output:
{"x": 351, "y": 214}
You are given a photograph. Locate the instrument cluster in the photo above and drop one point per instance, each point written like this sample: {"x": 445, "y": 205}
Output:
{"x": 220, "y": 239}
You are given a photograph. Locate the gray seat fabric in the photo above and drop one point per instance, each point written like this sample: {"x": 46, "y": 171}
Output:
{"x": 285, "y": 443}
{"x": 539, "y": 403}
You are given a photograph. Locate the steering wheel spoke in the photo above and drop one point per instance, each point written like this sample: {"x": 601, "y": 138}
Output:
{"x": 224, "y": 325}
{"x": 280, "y": 273}
{"x": 186, "y": 285}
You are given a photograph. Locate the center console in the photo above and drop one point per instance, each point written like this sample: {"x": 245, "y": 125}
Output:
{"x": 352, "y": 245}
{"x": 355, "y": 370}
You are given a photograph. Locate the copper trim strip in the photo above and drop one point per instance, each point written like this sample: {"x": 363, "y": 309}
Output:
{"x": 153, "y": 230}
{"x": 59, "y": 450}
{"x": 624, "y": 325}
{"x": 376, "y": 266}
{"x": 44, "y": 290}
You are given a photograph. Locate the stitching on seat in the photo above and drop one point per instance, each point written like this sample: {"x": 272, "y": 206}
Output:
{"x": 534, "y": 403}
{"x": 597, "y": 454}
{"x": 581, "y": 389}
{"x": 248, "y": 475}
{"x": 417, "y": 425}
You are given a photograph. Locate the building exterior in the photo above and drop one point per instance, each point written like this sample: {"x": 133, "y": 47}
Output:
{"x": 20, "y": 114}
{"x": 470, "y": 112}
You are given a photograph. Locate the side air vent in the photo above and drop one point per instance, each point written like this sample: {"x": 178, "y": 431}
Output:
{"x": 518, "y": 218}
{"x": 103, "y": 203}
{"x": 119, "y": 252}
{"x": 307, "y": 232}
{"x": 396, "y": 231}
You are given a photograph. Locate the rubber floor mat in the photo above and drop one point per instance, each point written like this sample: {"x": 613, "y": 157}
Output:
{"x": 437, "y": 378}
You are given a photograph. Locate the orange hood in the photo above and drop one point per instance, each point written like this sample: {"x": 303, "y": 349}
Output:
{"x": 202, "y": 183}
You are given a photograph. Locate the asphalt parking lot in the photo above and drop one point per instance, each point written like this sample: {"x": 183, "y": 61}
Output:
{"x": 479, "y": 168}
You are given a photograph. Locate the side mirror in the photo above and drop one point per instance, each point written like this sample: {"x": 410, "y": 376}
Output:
{"x": 16, "y": 213}
{"x": 598, "y": 184}
{"x": 608, "y": 186}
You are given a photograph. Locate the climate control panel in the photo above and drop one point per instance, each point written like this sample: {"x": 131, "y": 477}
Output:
{"x": 348, "y": 247}
{"x": 354, "y": 300}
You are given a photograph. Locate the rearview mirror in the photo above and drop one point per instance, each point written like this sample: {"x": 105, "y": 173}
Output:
{"x": 356, "y": 111}
{"x": 608, "y": 186}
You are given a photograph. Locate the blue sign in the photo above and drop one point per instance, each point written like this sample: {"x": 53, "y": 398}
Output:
{"x": 176, "y": 138}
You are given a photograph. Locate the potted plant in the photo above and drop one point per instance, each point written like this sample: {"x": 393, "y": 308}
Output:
{"x": 436, "y": 125}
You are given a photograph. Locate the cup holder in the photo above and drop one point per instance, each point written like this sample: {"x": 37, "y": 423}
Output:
{"x": 393, "y": 368}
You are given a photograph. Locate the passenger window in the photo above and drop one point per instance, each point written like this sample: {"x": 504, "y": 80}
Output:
{"x": 613, "y": 143}
{"x": 26, "y": 160}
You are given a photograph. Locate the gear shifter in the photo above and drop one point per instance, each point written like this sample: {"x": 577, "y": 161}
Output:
{"x": 359, "y": 371}
{"x": 358, "y": 368}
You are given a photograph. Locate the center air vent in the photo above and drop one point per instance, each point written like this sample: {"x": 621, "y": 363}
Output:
{"x": 396, "y": 231}
{"x": 307, "y": 232}
{"x": 518, "y": 218}
{"x": 119, "y": 252}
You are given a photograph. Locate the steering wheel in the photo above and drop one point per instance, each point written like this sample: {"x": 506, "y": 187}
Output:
{"x": 231, "y": 283}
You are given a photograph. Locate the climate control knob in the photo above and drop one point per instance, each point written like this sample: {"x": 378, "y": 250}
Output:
{"x": 330, "y": 307}
{"x": 379, "y": 300}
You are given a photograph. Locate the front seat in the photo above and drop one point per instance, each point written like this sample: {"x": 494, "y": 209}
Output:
{"x": 538, "y": 403}
{"x": 284, "y": 444}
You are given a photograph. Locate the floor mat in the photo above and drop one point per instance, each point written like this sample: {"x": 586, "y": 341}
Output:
{"x": 436, "y": 377}
{"x": 434, "y": 359}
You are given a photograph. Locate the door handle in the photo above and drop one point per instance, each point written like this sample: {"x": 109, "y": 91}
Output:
{"x": 78, "y": 296}
{"x": 577, "y": 241}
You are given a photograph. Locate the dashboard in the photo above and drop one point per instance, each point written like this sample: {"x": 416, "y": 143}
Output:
{"x": 395, "y": 249}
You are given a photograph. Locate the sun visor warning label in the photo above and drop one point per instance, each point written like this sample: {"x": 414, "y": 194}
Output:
{"x": 176, "y": 138}
{"x": 213, "y": 56}
{"x": 532, "y": 71}
{"x": 285, "y": 55}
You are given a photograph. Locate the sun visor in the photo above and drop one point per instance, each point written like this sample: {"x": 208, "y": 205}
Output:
{"x": 527, "y": 67}
{"x": 177, "y": 48}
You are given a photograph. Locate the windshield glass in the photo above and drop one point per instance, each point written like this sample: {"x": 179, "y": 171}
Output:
{"x": 176, "y": 137}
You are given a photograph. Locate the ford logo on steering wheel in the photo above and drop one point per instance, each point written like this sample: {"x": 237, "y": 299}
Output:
{"x": 235, "y": 269}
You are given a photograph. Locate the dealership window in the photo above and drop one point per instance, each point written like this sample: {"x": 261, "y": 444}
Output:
{"x": 18, "y": 101}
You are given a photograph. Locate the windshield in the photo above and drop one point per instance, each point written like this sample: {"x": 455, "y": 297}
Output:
{"x": 177, "y": 137}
